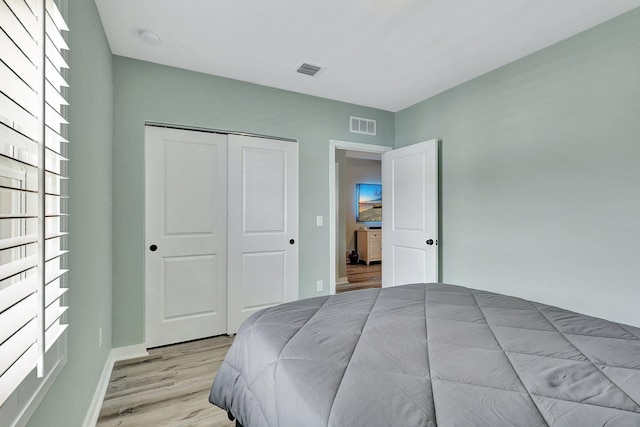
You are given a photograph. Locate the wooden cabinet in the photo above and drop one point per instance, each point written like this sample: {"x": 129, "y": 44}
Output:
{"x": 369, "y": 245}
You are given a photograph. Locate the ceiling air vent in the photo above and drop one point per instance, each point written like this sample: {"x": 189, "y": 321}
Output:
{"x": 308, "y": 69}
{"x": 365, "y": 126}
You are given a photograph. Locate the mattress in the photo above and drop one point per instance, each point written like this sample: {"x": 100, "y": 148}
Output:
{"x": 429, "y": 355}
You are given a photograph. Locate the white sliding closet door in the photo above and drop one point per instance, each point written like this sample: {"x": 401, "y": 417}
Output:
{"x": 263, "y": 225}
{"x": 185, "y": 234}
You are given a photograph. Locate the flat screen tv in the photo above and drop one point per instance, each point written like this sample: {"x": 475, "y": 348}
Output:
{"x": 369, "y": 198}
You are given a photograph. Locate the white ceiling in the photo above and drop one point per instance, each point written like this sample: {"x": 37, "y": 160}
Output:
{"x": 387, "y": 54}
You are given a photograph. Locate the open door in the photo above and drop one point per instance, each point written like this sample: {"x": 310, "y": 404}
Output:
{"x": 410, "y": 214}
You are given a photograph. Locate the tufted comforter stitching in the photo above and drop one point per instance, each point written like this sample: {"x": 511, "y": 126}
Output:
{"x": 359, "y": 360}
{"x": 585, "y": 355}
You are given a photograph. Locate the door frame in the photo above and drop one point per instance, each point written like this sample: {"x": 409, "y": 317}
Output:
{"x": 334, "y": 145}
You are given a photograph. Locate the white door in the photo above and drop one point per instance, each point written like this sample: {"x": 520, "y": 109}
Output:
{"x": 410, "y": 214}
{"x": 263, "y": 225}
{"x": 185, "y": 235}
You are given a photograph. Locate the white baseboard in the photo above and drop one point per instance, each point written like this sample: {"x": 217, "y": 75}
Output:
{"x": 116, "y": 354}
{"x": 129, "y": 352}
{"x": 96, "y": 403}
{"x": 342, "y": 281}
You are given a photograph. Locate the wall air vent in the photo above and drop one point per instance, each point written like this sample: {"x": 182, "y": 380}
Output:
{"x": 364, "y": 126}
{"x": 309, "y": 69}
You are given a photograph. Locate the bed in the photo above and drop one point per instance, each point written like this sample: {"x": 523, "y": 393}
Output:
{"x": 429, "y": 355}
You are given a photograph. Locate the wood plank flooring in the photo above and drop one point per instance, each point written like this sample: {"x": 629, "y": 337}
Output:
{"x": 170, "y": 387}
{"x": 362, "y": 276}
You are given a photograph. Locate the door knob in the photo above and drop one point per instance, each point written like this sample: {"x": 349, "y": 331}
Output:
{"x": 153, "y": 248}
{"x": 291, "y": 242}
{"x": 430, "y": 242}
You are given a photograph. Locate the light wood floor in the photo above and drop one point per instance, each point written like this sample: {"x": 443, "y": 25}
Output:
{"x": 170, "y": 387}
{"x": 362, "y": 276}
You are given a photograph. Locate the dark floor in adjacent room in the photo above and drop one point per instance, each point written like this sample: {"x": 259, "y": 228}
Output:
{"x": 362, "y": 276}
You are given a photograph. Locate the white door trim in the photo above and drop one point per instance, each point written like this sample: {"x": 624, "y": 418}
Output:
{"x": 334, "y": 145}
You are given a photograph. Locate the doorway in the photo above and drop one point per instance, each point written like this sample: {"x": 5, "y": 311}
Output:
{"x": 410, "y": 179}
{"x": 359, "y": 220}
{"x": 343, "y": 205}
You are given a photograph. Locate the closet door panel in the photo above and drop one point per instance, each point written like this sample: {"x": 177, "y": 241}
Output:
{"x": 263, "y": 225}
{"x": 185, "y": 234}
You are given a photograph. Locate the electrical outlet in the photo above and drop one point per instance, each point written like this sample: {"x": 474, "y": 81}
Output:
{"x": 319, "y": 286}
{"x": 99, "y": 337}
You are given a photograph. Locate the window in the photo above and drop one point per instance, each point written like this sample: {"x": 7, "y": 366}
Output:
{"x": 32, "y": 187}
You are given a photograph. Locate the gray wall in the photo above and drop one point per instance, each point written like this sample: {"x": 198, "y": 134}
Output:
{"x": 540, "y": 191}
{"x": 145, "y": 91}
{"x": 90, "y": 240}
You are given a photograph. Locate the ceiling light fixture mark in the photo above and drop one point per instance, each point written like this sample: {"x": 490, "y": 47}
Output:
{"x": 149, "y": 37}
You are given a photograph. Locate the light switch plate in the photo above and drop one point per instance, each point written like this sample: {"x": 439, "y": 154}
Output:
{"x": 319, "y": 221}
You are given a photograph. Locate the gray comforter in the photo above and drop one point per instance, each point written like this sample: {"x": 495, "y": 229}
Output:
{"x": 426, "y": 355}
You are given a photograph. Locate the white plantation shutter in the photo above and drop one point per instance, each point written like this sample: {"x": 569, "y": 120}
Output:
{"x": 55, "y": 173}
{"x": 32, "y": 186}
